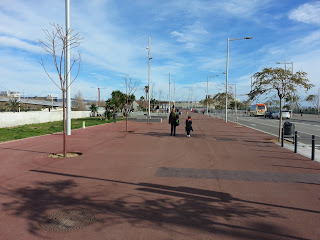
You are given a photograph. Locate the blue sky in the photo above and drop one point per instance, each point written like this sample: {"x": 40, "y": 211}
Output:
{"x": 188, "y": 39}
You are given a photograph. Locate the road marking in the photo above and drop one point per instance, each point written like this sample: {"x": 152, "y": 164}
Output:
{"x": 277, "y": 126}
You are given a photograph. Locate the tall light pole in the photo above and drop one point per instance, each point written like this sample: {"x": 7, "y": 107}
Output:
{"x": 235, "y": 100}
{"x": 149, "y": 58}
{"x": 174, "y": 92}
{"x": 285, "y": 69}
{"x": 208, "y": 90}
{"x": 67, "y": 69}
{"x": 227, "y": 70}
{"x": 169, "y": 107}
{"x": 318, "y": 100}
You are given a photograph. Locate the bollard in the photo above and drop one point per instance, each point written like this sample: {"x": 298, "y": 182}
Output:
{"x": 313, "y": 147}
{"x": 282, "y": 137}
{"x": 295, "y": 141}
{"x": 83, "y": 124}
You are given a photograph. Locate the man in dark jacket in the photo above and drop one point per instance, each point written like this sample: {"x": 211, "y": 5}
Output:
{"x": 173, "y": 117}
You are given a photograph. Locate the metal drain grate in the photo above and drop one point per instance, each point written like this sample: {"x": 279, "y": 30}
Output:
{"x": 67, "y": 220}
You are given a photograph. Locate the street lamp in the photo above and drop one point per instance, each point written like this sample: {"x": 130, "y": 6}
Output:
{"x": 227, "y": 70}
{"x": 149, "y": 58}
{"x": 285, "y": 69}
{"x": 235, "y": 100}
{"x": 169, "y": 107}
{"x": 208, "y": 90}
{"x": 67, "y": 68}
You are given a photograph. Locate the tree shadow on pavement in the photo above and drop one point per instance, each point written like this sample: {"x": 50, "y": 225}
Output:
{"x": 160, "y": 207}
{"x": 23, "y": 150}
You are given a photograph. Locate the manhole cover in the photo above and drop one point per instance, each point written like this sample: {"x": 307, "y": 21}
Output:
{"x": 67, "y": 220}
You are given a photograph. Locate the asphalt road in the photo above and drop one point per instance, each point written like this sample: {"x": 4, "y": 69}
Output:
{"x": 305, "y": 127}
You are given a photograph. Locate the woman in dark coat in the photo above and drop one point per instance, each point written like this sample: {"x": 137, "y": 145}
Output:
{"x": 173, "y": 117}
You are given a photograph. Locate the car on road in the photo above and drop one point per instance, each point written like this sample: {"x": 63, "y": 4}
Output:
{"x": 268, "y": 114}
{"x": 285, "y": 114}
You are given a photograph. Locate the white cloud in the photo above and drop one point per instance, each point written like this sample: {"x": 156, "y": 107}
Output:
{"x": 20, "y": 44}
{"x": 191, "y": 35}
{"x": 207, "y": 8}
{"x": 307, "y": 13}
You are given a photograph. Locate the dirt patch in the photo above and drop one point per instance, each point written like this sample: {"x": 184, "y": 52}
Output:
{"x": 69, "y": 155}
{"x": 276, "y": 141}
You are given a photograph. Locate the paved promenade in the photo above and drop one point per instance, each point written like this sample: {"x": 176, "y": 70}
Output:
{"x": 225, "y": 182}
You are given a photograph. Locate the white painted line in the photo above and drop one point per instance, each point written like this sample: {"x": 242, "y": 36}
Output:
{"x": 290, "y": 146}
{"x": 278, "y": 127}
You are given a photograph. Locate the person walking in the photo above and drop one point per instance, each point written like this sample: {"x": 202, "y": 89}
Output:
{"x": 189, "y": 126}
{"x": 174, "y": 121}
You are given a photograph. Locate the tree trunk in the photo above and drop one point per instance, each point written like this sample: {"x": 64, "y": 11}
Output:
{"x": 64, "y": 124}
{"x": 127, "y": 115}
{"x": 280, "y": 121}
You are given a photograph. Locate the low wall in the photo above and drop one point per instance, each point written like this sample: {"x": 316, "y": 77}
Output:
{"x": 10, "y": 119}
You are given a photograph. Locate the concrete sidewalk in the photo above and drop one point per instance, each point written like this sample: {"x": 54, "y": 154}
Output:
{"x": 225, "y": 182}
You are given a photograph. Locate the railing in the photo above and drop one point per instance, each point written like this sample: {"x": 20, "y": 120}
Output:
{"x": 295, "y": 142}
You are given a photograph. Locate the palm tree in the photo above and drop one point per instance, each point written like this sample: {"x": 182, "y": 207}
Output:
{"x": 12, "y": 105}
{"x": 94, "y": 109}
{"x": 146, "y": 89}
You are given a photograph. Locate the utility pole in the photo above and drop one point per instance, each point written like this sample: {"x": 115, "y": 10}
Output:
{"x": 318, "y": 100}
{"x": 67, "y": 70}
{"x": 207, "y": 98}
{"x": 98, "y": 97}
{"x": 208, "y": 90}
{"x": 149, "y": 58}
{"x": 174, "y": 92}
{"x": 235, "y": 101}
{"x": 169, "y": 107}
{"x": 192, "y": 97}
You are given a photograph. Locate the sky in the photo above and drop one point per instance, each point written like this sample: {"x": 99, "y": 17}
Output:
{"x": 188, "y": 40}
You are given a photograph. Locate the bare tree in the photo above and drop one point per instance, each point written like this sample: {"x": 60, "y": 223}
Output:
{"x": 79, "y": 103}
{"x": 131, "y": 86}
{"x": 56, "y": 44}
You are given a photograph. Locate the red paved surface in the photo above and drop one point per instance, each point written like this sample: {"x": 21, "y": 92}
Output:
{"x": 115, "y": 178}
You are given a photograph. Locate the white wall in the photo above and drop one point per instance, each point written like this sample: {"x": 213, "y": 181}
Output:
{"x": 10, "y": 119}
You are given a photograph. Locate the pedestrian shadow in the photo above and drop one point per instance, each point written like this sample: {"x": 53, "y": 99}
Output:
{"x": 162, "y": 208}
{"x": 166, "y": 134}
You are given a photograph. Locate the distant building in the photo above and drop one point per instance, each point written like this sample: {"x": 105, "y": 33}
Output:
{"x": 9, "y": 94}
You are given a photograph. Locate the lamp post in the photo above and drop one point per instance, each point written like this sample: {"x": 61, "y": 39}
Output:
{"x": 174, "y": 93}
{"x": 169, "y": 107}
{"x": 149, "y": 58}
{"x": 227, "y": 70}
{"x": 67, "y": 69}
{"x": 208, "y": 89}
{"x": 235, "y": 100}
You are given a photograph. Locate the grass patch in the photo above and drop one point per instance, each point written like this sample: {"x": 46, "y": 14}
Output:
{"x": 31, "y": 130}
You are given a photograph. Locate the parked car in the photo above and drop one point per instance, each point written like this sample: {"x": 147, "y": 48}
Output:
{"x": 285, "y": 114}
{"x": 268, "y": 114}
